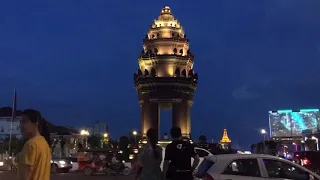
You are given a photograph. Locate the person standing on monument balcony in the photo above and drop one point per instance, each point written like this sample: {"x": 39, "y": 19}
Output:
{"x": 150, "y": 158}
{"x": 34, "y": 161}
{"x": 178, "y": 154}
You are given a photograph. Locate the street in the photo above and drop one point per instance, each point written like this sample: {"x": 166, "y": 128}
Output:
{"x": 6, "y": 175}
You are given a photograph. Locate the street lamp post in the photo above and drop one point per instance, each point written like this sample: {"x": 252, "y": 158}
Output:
{"x": 105, "y": 139}
{"x": 264, "y": 132}
{"x": 135, "y": 133}
{"x": 105, "y": 135}
{"x": 85, "y": 133}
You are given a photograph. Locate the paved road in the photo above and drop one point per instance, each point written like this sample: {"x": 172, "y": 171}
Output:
{"x": 68, "y": 176}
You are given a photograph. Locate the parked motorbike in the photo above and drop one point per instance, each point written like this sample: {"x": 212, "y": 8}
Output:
{"x": 117, "y": 169}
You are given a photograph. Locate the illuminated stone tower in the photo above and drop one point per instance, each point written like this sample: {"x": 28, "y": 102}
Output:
{"x": 225, "y": 141}
{"x": 165, "y": 79}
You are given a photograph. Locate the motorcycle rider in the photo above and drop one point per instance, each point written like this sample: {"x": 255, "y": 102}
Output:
{"x": 116, "y": 163}
{"x": 114, "y": 159}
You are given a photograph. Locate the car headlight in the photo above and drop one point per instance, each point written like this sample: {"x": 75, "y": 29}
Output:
{"x": 1, "y": 163}
{"x": 62, "y": 162}
{"x": 71, "y": 162}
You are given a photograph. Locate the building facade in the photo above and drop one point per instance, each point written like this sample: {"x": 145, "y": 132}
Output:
{"x": 97, "y": 129}
{"x": 5, "y": 126}
{"x": 100, "y": 128}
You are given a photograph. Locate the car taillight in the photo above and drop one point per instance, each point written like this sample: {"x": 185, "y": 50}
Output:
{"x": 305, "y": 161}
{"x": 207, "y": 177}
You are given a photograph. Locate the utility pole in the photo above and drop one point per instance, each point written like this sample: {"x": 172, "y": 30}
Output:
{"x": 13, "y": 116}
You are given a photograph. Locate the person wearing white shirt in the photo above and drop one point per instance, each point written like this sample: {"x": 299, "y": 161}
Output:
{"x": 114, "y": 159}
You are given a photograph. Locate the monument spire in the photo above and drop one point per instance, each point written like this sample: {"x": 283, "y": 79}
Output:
{"x": 225, "y": 139}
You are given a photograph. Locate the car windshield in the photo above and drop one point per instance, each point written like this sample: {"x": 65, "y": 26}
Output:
{"x": 203, "y": 168}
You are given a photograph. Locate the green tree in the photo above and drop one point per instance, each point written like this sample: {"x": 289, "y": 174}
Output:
{"x": 203, "y": 139}
{"x": 16, "y": 145}
{"x": 95, "y": 141}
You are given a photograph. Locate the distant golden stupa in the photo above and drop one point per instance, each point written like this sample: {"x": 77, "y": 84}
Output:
{"x": 225, "y": 139}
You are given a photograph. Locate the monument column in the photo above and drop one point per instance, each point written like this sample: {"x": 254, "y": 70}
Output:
{"x": 188, "y": 118}
{"x": 155, "y": 117}
{"x": 150, "y": 116}
{"x": 180, "y": 116}
{"x": 146, "y": 123}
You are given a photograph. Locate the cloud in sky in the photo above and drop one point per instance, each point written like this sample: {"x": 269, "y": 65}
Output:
{"x": 253, "y": 88}
{"x": 244, "y": 93}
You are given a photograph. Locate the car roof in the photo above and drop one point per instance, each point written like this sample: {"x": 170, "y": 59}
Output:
{"x": 214, "y": 158}
{"x": 107, "y": 150}
{"x": 201, "y": 148}
{"x": 194, "y": 148}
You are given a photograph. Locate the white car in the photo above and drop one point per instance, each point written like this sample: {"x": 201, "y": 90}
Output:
{"x": 201, "y": 152}
{"x": 60, "y": 165}
{"x": 251, "y": 167}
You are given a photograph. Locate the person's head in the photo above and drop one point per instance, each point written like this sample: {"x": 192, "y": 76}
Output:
{"x": 175, "y": 133}
{"x": 30, "y": 123}
{"x": 152, "y": 136}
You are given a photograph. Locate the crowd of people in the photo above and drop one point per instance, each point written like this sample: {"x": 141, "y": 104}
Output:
{"x": 176, "y": 162}
{"x": 34, "y": 161}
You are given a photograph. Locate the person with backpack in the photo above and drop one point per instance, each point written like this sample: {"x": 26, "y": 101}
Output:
{"x": 150, "y": 158}
{"x": 178, "y": 154}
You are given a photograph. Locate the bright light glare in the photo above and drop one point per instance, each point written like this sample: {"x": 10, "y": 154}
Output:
{"x": 62, "y": 162}
{"x": 263, "y": 131}
{"x": 84, "y": 132}
{"x": 134, "y": 133}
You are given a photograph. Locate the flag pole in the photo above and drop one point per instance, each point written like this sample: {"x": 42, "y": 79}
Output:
{"x": 12, "y": 117}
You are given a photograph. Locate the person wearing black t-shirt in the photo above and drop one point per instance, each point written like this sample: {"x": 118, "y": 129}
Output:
{"x": 177, "y": 160}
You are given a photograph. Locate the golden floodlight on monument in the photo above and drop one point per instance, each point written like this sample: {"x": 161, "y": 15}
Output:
{"x": 225, "y": 142}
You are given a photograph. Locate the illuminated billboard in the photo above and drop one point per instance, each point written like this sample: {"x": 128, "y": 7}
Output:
{"x": 289, "y": 123}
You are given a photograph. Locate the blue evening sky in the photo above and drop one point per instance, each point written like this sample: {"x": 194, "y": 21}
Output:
{"x": 74, "y": 60}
